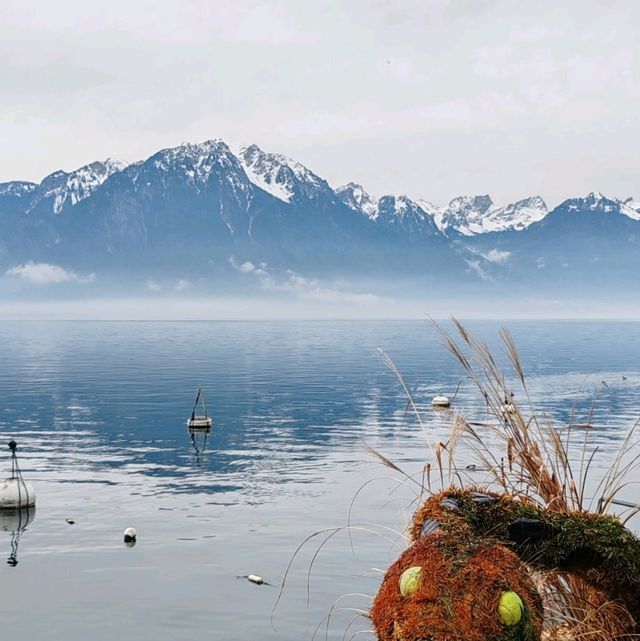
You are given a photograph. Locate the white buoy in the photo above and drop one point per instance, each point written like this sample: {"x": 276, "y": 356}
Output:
{"x": 440, "y": 401}
{"x": 254, "y": 578}
{"x": 15, "y": 492}
{"x": 130, "y": 535}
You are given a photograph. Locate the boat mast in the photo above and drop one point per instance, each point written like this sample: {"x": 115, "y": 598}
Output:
{"x": 204, "y": 405}
{"x": 193, "y": 413}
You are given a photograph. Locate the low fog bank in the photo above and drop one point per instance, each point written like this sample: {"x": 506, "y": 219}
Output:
{"x": 171, "y": 308}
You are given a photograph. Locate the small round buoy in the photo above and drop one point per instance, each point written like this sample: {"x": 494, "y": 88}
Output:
{"x": 70, "y": 521}
{"x": 440, "y": 401}
{"x": 130, "y": 535}
{"x": 15, "y": 493}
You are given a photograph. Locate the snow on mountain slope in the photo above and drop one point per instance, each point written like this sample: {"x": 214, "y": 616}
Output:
{"x": 17, "y": 188}
{"x": 356, "y": 198}
{"x": 518, "y": 215}
{"x": 597, "y": 202}
{"x": 282, "y": 177}
{"x": 471, "y": 215}
{"x": 395, "y": 211}
{"x": 594, "y": 201}
{"x": 196, "y": 162}
{"x": 631, "y": 208}
{"x": 401, "y": 211}
{"x": 195, "y": 165}
{"x": 62, "y": 187}
{"x": 468, "y": 215}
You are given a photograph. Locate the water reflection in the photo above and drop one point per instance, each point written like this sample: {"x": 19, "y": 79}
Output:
{"x": 199, "y": 442}
{"x": 15, "y": 522}
{"x": 284, "y": 394}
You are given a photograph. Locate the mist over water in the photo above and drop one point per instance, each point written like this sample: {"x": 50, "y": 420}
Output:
{"x": 99, "y": 409}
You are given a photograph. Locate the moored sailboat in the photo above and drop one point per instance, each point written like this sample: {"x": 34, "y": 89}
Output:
{"x": 199, "y": 422}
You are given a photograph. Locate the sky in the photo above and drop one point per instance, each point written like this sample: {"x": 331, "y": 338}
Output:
{"x": 429, "y": 98}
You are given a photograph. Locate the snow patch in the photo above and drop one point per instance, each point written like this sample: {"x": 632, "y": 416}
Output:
{"x": 74, "y": 187}
{"x": 282, "y": 177}
{"x": 472, "y": 215}
{"x": 357, "y": 199}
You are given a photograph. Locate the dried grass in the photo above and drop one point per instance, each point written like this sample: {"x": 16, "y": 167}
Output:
{"x": 531, "y": 460}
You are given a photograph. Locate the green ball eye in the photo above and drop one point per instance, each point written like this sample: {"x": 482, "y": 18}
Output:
{"x": 410, "y": 580}
{"x": 510, "y": 609}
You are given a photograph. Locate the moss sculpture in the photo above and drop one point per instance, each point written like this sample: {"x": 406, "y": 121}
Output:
{"x": 469, "y": 572}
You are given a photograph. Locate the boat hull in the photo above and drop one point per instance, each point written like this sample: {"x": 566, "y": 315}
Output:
{"x": 199, "y": 424}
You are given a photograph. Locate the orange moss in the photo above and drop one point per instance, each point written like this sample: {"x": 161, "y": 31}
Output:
{"x": 458, "y": 596}
{"x": 596, "y": 556}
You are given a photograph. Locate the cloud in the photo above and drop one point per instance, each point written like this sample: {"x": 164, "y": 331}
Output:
{"x": 248, "y": 267}
{"x": 45, "y": 274}
{"x": 182, "y": 284}
{"x": 497, "y": 256}
{"x": 310, "y": 289}
{"x": 477, "y": 268}
{"x": 152, "y": 286}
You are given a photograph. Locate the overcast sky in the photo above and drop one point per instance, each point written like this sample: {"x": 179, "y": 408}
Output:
{"x": 429, "y": 98}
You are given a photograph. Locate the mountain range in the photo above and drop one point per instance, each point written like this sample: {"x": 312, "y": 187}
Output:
{"x": 224, "y": 219}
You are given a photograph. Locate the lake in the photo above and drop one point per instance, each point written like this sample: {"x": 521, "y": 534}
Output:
{"x": 99, "y": 410}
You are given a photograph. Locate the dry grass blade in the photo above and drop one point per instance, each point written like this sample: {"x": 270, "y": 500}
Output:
{"x": 388, "y": 361}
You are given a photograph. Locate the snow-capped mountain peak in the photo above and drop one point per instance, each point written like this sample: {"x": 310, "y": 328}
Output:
{"x": 72, "y": 187}
{"x": 597, "y": 202}
{"x": 518, "y": 215}
{"x": 282, "y": 177}
{"x": 401, "y": 211}
{"x": 356, "y": 198}
{"x": 471, "y": 215}
{"x": 631, "y": 208}
{"x": 17, "y": 188}
{"x": 197, "y": 161}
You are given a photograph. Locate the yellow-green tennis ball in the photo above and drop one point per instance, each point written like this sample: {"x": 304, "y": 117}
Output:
{"x": 510, "y": 608}
{"x": 410, "y": 580}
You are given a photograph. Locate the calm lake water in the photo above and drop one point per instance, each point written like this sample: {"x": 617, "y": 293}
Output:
{"x": 99, "y": 410}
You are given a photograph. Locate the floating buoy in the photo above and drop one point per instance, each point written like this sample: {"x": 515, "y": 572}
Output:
{"x": 440, "y": 401}
{"x": 15, "y": 492}
{"x": 130, "y": 535}
{"x": 70, "y": 521}
{"x": 254, "y": 578}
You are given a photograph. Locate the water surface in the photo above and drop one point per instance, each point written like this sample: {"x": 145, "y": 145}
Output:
{"x": 99, "y": 411}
